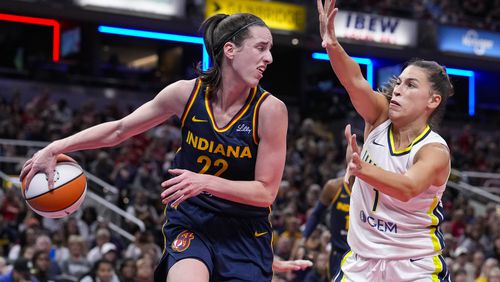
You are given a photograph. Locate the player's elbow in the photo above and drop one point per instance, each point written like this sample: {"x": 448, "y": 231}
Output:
{"x": 409, "y": 193}
{"x": 117, "y": 133}
{"x": 267, "y": 198}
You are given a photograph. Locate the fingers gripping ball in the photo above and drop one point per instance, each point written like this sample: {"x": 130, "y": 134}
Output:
{"x": 70, "y": 187}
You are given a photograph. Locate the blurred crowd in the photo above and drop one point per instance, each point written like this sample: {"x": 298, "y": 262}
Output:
{"x": 82, "y": 247}
{"x": 484, "y": 14}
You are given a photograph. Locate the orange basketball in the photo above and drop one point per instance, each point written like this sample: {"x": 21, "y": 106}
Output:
{"x": 70, "y": 187}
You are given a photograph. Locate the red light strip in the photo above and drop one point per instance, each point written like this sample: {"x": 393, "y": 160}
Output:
{"x": 56, "y": 38}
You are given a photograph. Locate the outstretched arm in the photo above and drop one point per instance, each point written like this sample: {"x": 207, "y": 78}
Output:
{"x": 261, "y": 192}
{"x": 168, "y": 102}
{"x": 371, "y": 105}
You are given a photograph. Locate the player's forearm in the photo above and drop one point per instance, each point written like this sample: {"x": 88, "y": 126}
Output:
{"x": 253, "y": 193}
{"x": 347, "y": 70}
{"x": 390, "y": 183}
{"x": 103, "y": 135}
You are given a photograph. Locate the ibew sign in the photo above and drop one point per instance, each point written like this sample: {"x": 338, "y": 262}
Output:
{"x": 376, "y": 28}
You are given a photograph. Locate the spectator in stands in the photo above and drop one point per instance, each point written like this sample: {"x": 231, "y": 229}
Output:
{"x": 494, "y": 274}
{"x": 110, "y": 253}
{"x": 44, "y": 269}
{"x": 319, "y": 272}
{"x": 21, "y": 271}
{"x": 76, "y": 264}
{"x": 88, "y": 224}
{"x": 457, "y": 223}
{"x": 128, "y": 270}
{"x": 103, "y": 271}
{"x": 103, "y": 236}
{"x": 27, "y": 238}
{"x": 145, "y": 269}
{"x": 462, "y": 263}
{"x": 143, "y": 243}
{"x": 487, "y": 266}
{"x": 141, "y": 208}
{"x": 460, "y": 275}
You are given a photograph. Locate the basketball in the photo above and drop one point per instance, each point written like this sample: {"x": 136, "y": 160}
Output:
{"x": 70, "y": 187}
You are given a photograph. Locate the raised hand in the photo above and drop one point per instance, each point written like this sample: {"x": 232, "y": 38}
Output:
{"x": 326, "y": 15}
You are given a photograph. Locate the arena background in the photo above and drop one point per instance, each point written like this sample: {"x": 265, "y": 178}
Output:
{"x": 66, "y": 65}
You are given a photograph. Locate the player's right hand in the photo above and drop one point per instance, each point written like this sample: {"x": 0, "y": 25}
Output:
{"x": 42, "y": 161}
{"x": 290, "y": 265}
{"x": 326, "y": 15}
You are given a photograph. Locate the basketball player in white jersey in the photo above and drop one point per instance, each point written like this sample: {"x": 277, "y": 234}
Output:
{"x": 401, "y": 171}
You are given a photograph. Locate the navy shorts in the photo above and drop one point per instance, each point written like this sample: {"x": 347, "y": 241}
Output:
{"x": 233, "y": 248}
{"x": 335, "y": 261}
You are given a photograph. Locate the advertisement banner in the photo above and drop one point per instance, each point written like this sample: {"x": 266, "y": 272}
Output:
{"x": 376, "y": 28}
{"x": 469, "y": 41}
{"x": 277, "y": 15}
{"x": 158, "y": 7}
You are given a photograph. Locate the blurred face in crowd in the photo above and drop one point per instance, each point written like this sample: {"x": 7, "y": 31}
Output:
{"x": 129, "y": 269}
{"x": 42, "y": 262}
{"x": 494, "y": 275}
{"x": 322, "y": 262}
{"x": 460, "y": 277}
{"x": 75, "y": 248}
{"x": 43, "y": 243}
{"x": 104, "y": 271}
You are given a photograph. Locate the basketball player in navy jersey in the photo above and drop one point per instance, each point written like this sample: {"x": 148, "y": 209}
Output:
{"x": 227, "y": 172}
{"x": 401, "y": 171}
{"x": 336, "y": 195}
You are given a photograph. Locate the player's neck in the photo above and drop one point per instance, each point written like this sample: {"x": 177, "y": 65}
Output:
{"x": 233, "y": 93}
{"x": 404, "y": 135}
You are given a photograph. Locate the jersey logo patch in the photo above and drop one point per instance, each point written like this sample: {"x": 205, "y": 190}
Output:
{"x": 259, "y": 234}
{"x": 194, "y": 119}
{"x": 182, "y": 241}
{"x": 243, "y": 128}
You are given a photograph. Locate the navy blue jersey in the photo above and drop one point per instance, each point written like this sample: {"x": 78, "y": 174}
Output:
{"x": 229, "y": 151}
{"x": 339, "y": 218}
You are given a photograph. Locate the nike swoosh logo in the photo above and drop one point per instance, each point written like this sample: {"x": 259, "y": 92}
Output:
{"x": 413, "y": 260}
{"x": 258, "y": 234}
{"x": 378, "y": 144}
{"x": 194, "y": 119}
{"x": 343, "y": 196}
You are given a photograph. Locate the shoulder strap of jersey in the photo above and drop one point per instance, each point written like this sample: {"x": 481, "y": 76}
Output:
{"x": 192, "y": 97}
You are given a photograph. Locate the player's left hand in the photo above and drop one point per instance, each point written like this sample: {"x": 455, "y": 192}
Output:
{"x": 184, "y": 185}
{"x": 290, "y": 265}
{"x": 352, "y": 154}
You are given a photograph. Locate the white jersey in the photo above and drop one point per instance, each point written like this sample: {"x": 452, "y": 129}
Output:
{"x": 383, "y": 227}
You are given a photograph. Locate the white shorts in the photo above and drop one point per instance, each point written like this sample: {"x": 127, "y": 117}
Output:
{"x": 356, "y": 269}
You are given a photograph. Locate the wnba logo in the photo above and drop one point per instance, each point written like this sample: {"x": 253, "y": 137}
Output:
{"x": 182, "y": 241}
